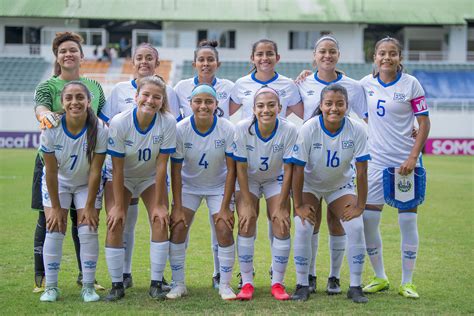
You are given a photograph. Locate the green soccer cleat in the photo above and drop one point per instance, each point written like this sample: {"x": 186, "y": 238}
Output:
{"x": 39, "y": 284}
{"x": 376, "y": 285}
{"x": 51, "y": 294}
{"x": 88, "y": 294}
{"x": 408, "y": 290}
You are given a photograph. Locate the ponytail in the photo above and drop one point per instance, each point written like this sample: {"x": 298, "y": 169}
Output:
{"x": 219, "y": 112}
{"x": 92, "y": 128}
{"x": 254, "y": 120}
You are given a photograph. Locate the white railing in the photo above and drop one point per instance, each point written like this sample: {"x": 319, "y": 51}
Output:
{"x": 20, "y": 99}
{"x": 420, "y": 55}
{"x": 463, "y": 105}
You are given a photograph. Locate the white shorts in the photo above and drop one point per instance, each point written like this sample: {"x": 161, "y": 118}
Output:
{"x": 375, "y": 195}
{"x": 69, "y": 194}
{"x": 331, "y": 196}
{"x": 136, "y": 186}
{"x": 266, "y": 189}
{"x": 214, "y": 202}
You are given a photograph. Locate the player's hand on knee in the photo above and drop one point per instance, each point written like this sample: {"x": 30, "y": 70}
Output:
{"x": 160, "y": 215}
{"x": 282, "y": 219}
{"x": 115, "y": 217}
{"x": 245, "y": 220}
{"x": 227, "y": 216}
{"x": 90, "y": 218}
{"x": 177, "y": 216}
{"x": 307, "y": 213}
{"x": 351, "y": 211}
{"x": 56, "y": 220}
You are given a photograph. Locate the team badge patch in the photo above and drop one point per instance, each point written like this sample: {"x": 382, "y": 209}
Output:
{"x": 404, "y": 192}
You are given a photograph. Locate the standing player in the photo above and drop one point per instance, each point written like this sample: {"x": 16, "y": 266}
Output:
{"x": 206, "y": 62}
{"x": 67, "y": 48}
{"x": 140, "y": 142}
{"x": 145, "y": 61}
{"x": 73, "y": 156}
{"x": 326, "y": 55}
{"x": 203, "y": 168}
{"x": 326, "y": 146}
{"x": 263, "y": 153}
{"x": 394, "y": 100}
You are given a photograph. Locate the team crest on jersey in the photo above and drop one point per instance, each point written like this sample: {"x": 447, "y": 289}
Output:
{"x": 58, "y": 147}
{"x": 346, "y": 144}
{"x": 247, "y": 93}
{"x": 129, "y": 100}
{"x": 398, "y": 96}
{"x": 221, "y": 95}
{"x": 128, "y": 142}
{"x": 250, "y": 147}
{"x": 277, "y": 148}
{"x": 219, "y": 143}
{"x": 310, "y": 92}
{"x": 188, "y": 145}
{"x": 111, "y": 142}
{"x": 157, "y": 139}
{"x": 370, "y": 93}
{"x": 317, "y": 146}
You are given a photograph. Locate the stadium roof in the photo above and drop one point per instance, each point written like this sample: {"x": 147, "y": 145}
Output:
{"x": 419, "y": 12}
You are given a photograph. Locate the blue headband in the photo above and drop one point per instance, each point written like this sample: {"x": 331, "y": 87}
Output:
{"x": 204, "y": 88}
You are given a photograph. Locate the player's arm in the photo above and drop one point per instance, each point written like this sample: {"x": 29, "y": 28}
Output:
{"x": 55, "y": 218}
{"x": 91, "y": 216}
{"x": 420, "y": 140}
{"x": 233, "y": 107}
{"x": 116, "y": 215}
{"x": 297, "y": 109}
{"x": 283, "y": 212}
{"x": 353, "y": 211}
{"x": 225, "y": 213}
{"x": 176, "y": 187}
{"x": 161, "y": 213}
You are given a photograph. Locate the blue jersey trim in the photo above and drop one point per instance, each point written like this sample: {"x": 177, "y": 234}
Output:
{"x": 339, "y": 77}
{"x": 101, "y": 153}
{"x": 104, "y": 117}
{"x": 135, "y": 122}
{"x": 43, "y": 149}
{"x": 115, "y": 154}
{"x": 288, "y": 160}
{"x": 229, "y": 155}
{"x": 193, "y": 125}
{"x": 298, "y": 162}
{"x": 385, "y": 85}
{"x": 366, "y": 114}
{"x": 269, "y": 137}
{"x": 167, "y": 150}
{"x": 177, "y": 160}
{"x": 275, "y": 77}
{"x": 63, "y": 121}
{"x": 239, "y": 159}
{"x": 423, "y": 113}
{"x": 321, "y": 121}
{"x": 363, "y": 158}
{"x": 134, "y": 84}
{"x": 196, "y": 81}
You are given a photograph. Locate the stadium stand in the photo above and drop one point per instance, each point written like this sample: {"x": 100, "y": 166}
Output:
{"x": 21, "y": 74}
{"x": 164, "y": 70}
{"x": 95, "y": 67}
{"x": 444, "y": 84}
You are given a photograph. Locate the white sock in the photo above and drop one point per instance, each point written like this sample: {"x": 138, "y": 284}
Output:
{"x": 129, "y": 237}
{"x": 302, "y": 250}
{"x": 280, "y": 254}
{"x": 409, "y": 244}
{"x": 355, "y": 248}
{"x": 314, "y": 253}
{"x": 214, "y": 245}
{"x": 158, "y": 257}
{"x": 114, "y": 258}
{"x": 89, "y": 240}
{"x": 373, "y": 241}
{"x": 177, "y": 259}
{"x": 227, "y": 259}
{"x": 337, "y": 247}
{"x": 245, "y": 248}
{"x": 52, "y": 254}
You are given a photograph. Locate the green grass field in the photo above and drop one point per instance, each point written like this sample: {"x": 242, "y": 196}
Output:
{"x": 443, "y": 275}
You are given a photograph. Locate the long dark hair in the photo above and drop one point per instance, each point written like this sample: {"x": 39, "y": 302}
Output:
{"x": 334, "y": 87}
{"x": 60, "y": 38}
{"x": 91, "y": 120}
{"x": 257, "y": 93}
{"x": 397, "y": 43}
{"x": 254, "y": 48}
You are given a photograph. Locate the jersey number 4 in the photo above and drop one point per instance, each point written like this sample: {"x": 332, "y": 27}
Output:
{"x": 203, "y": 162}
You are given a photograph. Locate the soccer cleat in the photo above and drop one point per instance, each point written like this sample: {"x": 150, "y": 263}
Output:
{"x": 117, "y": 292}
{"x": 51, "y": 294}
{"x": 301, "y": 293}
{"x": 270, "y": 273}
{"x": 164, "y": 285}
{"x": 376, "y": 285}
{"x": 88, "y": 294}
{"x": 39, "y": 284}
{"x": 97, "y": 286}
{"x": 312, "y": 283}
{"x": 356, "y": 294}
{"x": 79, "y": 279}
{"x": 178, "y": 290}
{"x": 216, "y": 280}
{"x": 408, "y": 290}
{"x": 226, "y": 292}
{"x": 246, "y": 292}
{"x": 127, "y": 280}
{"x": 334, "y": 286}
{"x": 156, "y": 290}
{"x": 279, "y": 293}
{"x": 240, "y": 279}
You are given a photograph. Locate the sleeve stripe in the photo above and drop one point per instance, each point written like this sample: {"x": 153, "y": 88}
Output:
{"x": 103, "y": 117}
{"x": 240, "y": 159}
{"x": 229, "y": 155}
{"x": 167, "y": 150}
{"x": 426, "y": 113}
{"x": 363, "y": 158}
{"x": 115, "y": 154}
{"x": 177, "y": 160}
{"x": 298, "y": 162}
{"x": 43, "y": 149}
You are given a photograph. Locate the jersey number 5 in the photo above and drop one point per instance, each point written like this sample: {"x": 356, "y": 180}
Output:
{"x": 380, "y": 108}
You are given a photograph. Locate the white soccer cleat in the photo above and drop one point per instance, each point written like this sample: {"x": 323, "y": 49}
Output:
{"x": 226, "y": 292}
{"x": 178, "y": 290}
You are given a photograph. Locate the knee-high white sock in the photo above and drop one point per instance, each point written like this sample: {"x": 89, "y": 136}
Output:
{"x": 214, "y": 245}
{"x": 280, "y": 254}
{"x": 409, "y": 244}
{"x": 302, "y": 250}
{"x": 177, "y": 259}
{"x": 355, "y": 248}
{"x": 314, "y": 253}
{"x": 129, "y": 237}
{"x": 245, "y": 248}
{"x": 114, "y": 258}
{"x": 337, "y": 247}
{"x": 89, "y": 240}
{"x": 227, "y": 259}
{"x": 373, "y": 241}
{"x": 52, "y": 254}
{"x": 158, "y": 257}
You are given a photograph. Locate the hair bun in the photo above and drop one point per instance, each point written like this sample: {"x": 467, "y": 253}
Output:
{"x": 205, "y": 43}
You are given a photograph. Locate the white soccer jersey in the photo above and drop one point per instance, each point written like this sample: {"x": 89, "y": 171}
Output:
{"x": 71, "y": 152}
{"x": 140, "y": 148}
{"x": 122, "y": 98}
{"x": 244, "y": 91}
{"x": 265, "y": 157}
{"x": 184, "y": 88}
{"x": 310, "y": 91}
{"x": 327, "y": 157}
{"x": 392, "y": 109}
{"x": 203, "y": 155}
